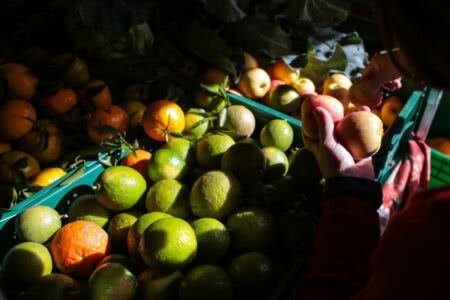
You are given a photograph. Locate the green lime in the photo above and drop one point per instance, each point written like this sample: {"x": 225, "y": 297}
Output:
{"x": 120, "y": 188}
{"x": 54, "y": 286}
{"x": 169, "y": 196}
{"x": 37, "y": 224}
{"x": 252, "y": 274}
{"x": 87, "y": 208}
{"x": 246, "y": 161}
{"x": 168, "y": 244}
{"x": 27, "y": 262}
{"x": 304, "y": 168}
{"x": 210, "y": 101}
{"x": 210, "y": 150}
{"x": 285, "y": 98}
{"x": 213, "y": 239}
{"x": 277, "y": 163}
{"x": 251, "y": 229}
{"x": 118, "y": 229}
{"x": 135, "y": 232}
{"x": 195, "y": 124}
{"x": 118, "y": 258}
{"x": 166, "y": 164}
{"x": 156, "y": 286}
{"x": 206, "y": 282}
{"x": 240, "y": 120}
{"x": 112, "y": 281}
{"x": 215, "y": 194}
{"x": 277, "y": 133}
{"x": 184, "y": 148}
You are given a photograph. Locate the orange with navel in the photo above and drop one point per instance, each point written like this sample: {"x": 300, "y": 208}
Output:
{"x": 161, "y": 117}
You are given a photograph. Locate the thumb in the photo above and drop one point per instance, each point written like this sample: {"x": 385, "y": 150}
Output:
{"x": 325, "y": 124}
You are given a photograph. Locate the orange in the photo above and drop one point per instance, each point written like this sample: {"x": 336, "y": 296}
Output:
{"x": 48, "y": 176}
{"x": 162, "y": 116}
{"x": 32, "y": 142}
{"x": 137, "y": 92}
{"x": 113, "y": 116}
{"x": 280, "y": 70}
{"x": 139, "y": 163}
{"x": 94, "y": 97}
{"x": 4, "y": 147}
{"x": 7, "y": 161}
{"x": 61, "y": 102}
{"x": 136, "y": 110}
{"x": 17, "y": 117}
{"x": 78, "y": 247}
{"x": 21, "y": 82}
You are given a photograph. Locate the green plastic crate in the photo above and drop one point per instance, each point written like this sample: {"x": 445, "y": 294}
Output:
{"x": 440, "y": 163}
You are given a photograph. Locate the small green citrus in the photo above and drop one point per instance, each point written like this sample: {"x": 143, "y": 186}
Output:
{"x": 166, "y": 164}
{"x": 169, "y": 196}
{"x": 112, "y": 281}
{"x": 86, "y": 207}
{"x": 37, "y": 224}
{"x": 213, "y": 239}
{"x": 118, "y": 229}
{"x": 277, "y": 133}
{"x": 210, "y": 150}
{"x": 277, "y": 163}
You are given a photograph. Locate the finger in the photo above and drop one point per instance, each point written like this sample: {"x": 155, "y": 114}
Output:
{"x": 364, "y": 108}
{"x": 325, "y": 124}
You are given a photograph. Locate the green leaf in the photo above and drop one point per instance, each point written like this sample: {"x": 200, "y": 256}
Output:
{"x": 211, "y": 89}
{"x": 93, "y": 91}
{"x": 105, "y": 129}
{"x": 222, "y": 117}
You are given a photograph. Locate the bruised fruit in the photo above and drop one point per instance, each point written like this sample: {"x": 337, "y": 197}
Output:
{"x": 331, "y": 104}
{"x": 361, "y": 133}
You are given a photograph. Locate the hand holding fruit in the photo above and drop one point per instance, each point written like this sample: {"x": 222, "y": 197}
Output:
{"x": 380, "y": 72}
{"x": 333, "y": 158}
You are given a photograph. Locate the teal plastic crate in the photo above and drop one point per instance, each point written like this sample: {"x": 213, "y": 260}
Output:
{"x": 440, "y": 163}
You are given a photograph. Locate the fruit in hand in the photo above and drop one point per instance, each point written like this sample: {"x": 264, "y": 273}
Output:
{"x": 392, "y": 106}
{"x": 331, "y": 104}
{"x": 254, "y": 83}
{"x": 361, "y": 133}
{"x": 360, "y": 94}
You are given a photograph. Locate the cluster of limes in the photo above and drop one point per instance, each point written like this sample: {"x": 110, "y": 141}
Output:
{"x": 199, "y": 218}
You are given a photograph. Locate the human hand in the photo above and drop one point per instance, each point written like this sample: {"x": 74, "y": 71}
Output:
{"x": 332, "y": 157}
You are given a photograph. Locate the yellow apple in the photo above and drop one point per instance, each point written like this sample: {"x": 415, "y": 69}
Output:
{"x": 304, "y": 84}
{"x": 281, "y": 71}
{"x": 337, "y": 86}
{"x": 390, "y": 109}
{"x": 254, "y": 83}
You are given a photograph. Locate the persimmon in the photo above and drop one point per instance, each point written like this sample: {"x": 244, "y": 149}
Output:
{"x": 78, "y": 247}
{"x": 60, "y": 102}
{"x": 113, "y": 116}
{"x": 17, "y": 117}
{"x": 21, "y": 81}
{"x": 95, "y": 94}
{"x": 161, "y": 117}
{"x": 7, "y": 161}
{"x": 44, "y": 142}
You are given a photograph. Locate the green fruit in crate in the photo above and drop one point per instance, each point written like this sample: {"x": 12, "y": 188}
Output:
{"x": 251, "y": 229}
{"x": 135, "y": 232}
{"x": 213, "y": 239}
{"x": 206, "y": 282}
{"x": 285, "y": 98}
{"x": 277, "y": 163}
{"x": 27, "y": 262}
{"x": 168, "y": 244}
{"x": 112, "y": 281}
{"x": 169, "y": 196}
{"x": 304, "y": 168}
{"x": 194, "y": 124}
{"x": 252, "y": 274}
{"x": 210, "y": 150}
{"x": 246, "y": 161}
{"x": 118, "y": 229}
{"x": 210, "y": 101}
{"x": 120, "y": 188}
{"x": 184, "y": 148}
{"x": 166, "y": 164}
{"x": 54, "y": 287}
{"x": 118, "y": 258}
{"x": 37, "y": 224}
{"x": 277, "y": 133}
{"x": 154, "y": 285}
{"x": 215, "y": 194}
{"x": 241, "y": 121}
{"x": 87, "y": 208}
